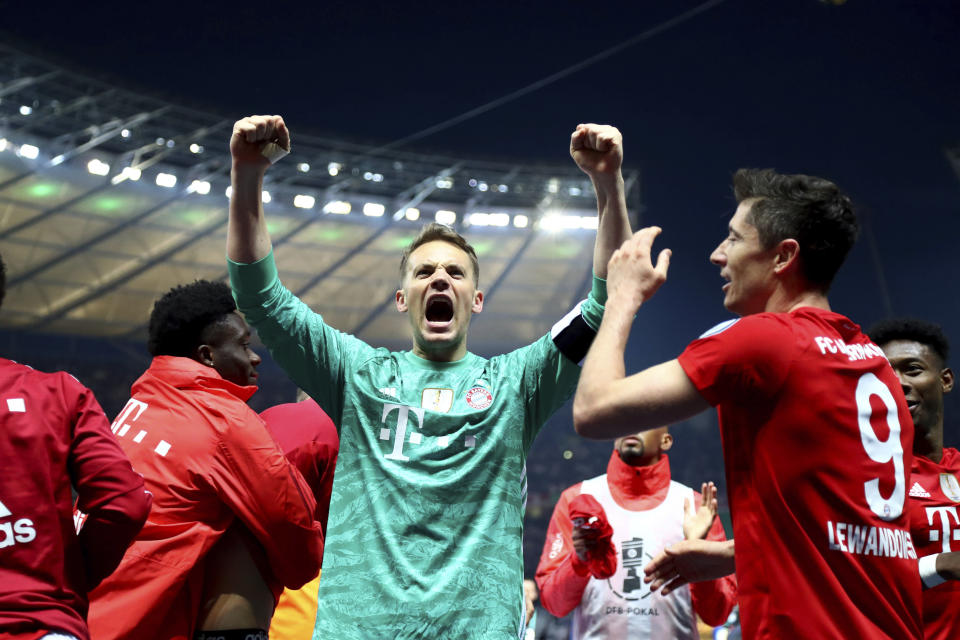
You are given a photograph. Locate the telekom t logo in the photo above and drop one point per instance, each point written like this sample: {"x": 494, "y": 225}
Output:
{"x": 401, "y": 433}
{"x": 944, "y": 533}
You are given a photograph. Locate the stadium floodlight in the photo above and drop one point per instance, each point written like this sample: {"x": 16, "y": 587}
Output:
{"x": 196, "y": 148}
{"x": 553, "y": 186}
{"x": 478, "y": 219}
{"x": 29, "y": 151}
{"x": 98, "y": 167}
{"x": 498, "y": 219}
{"x": 58, "y": 160}
{"x": 25, "y": 110}
{"x": 167, "y": 180}
{"x": 412, "y": 213}
{"x": 131, "y": 173}
{"x": 378, "y": 177}
{"x": 445, "y": 216}
{"x": 171, "y": 143}
{"x": 125, "y": 133}
{"x": 368, "y": 175}
{"x": 339, "y": 207}
{"x": 589, "y": 222}
{"x": 228, "y": 192}
{"x": 558, "y": 221}
{"x": 574, "y": 191}
{"x": 373, "y": 209}
{"x": 160, "y": 141}
{"x": 502, "y": 188}
{"x": 4, "y": 143}
{"x": 472, "y": 182}
{"x": 199, "y": 186}
{"x": 265, "y": 197}
{"x": 304, "y": 201}
{"x": 444, "y": 183}
{"x": 333, "y": 168}
{"x": 482, "y": 186}
{"x": 521, "y": 221}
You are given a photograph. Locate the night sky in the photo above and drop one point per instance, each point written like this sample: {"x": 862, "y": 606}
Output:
{"x": 866, "y": 93}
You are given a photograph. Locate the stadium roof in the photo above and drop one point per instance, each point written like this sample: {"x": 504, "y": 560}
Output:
{"x": 108, "y": 198}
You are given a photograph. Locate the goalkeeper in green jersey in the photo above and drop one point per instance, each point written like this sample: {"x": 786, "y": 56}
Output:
{"x": 426, "y": 518}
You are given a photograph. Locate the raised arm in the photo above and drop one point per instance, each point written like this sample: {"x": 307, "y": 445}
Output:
{"x": 609, "y": 404}
{"x": 598, "y": 151}
{"x": 247, "y": 236}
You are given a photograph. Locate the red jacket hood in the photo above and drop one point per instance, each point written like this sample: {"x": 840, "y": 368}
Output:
{"x": 186, "y": 373}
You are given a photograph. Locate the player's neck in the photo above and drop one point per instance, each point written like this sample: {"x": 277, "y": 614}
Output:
{"x": 929, "y": 444}
{"x": 444, "y": 354}
{"x": 784, "y": 300}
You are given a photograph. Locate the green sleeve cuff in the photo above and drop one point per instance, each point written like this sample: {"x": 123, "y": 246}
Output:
{"x": 251, "y": 282}
{"x": 598, "y": 291}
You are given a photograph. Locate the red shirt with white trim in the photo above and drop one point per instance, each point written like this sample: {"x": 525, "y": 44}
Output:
{"x": 935, "y": 525}
{"x": 645, "y": 508}
{"x": 817, "y": 445}
{"x": 209, "y": 461}
{"x": 53, "y": 434}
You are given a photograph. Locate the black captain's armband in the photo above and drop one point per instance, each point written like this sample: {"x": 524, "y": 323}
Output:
{"x": 572, "y": 335}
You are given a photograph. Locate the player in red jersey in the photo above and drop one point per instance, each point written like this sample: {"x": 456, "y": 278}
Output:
{"x": 918, "y": 353}
{"x": 647, "y": 511}
{"x": 209, "y": 461}
{"x": 53, "y": 434}
{"x": 816, "y": 437}
{"x": 238, "y": 596}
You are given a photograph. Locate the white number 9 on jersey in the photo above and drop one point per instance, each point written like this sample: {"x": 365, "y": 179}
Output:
{"x": 881, "y": 450}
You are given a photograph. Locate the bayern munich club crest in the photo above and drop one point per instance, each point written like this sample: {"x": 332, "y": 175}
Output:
{"x": 479, "y": 398}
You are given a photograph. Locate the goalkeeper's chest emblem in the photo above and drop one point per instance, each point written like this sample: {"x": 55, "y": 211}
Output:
{"x": 479, "y": 398}
{"x": 439, "y": 400}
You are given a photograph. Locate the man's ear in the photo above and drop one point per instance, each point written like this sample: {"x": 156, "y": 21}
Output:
{"x": 477, "y": 302}
{"x": 787, "y": 255}
{"x": 401, "y": 301}
{"x": 204, "y": 355}
{"x": 666, "y": 441}
{"x": 946, "y": 379}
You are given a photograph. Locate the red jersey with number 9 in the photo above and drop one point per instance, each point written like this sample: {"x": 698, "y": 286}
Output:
{"x": 817, "y": 445}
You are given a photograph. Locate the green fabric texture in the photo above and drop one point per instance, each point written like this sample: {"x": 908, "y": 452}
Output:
{"x": 426, "y": 518}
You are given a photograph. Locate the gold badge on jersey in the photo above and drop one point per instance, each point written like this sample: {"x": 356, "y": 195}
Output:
{"x": 439, "y": 400}
{"x": 950, "y": 486}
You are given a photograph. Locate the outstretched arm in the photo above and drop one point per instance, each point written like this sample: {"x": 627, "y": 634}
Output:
{"x": 247, "y": 236}
{"x": 609, "y": 404}
{"x": 598, "y": 151}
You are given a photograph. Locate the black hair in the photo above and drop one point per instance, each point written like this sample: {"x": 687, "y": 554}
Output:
{"x": 914, "y": 330}
{"x": 810, "y": 210}
{"x": 181, "y": 316}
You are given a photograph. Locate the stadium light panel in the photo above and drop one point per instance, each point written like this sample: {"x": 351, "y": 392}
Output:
{"x": 167, "y": 180}
{"x": 265, "y": 196}
{"x": 483, "y": 186}
{"x": 445, "y": 216}
{"x": 559, "y": 221}
{"x": 373, "y": 209}
{"x": 160, "y": 141}
{"x": 521, "y": 221}
{"x": 333, "y": 168}
{"x": 502, "y": 188}
{"x": 196, "y": 148}
{"x": 553, "y": 186}
{"x": 589, "y": 222}
{"x": 125, "y": 133}
{"x": 228, "y": 192}
{"x": 25, "y": 110}
{"x": 472, "y": 182}
{"x": 4, "y": 143}
{"x": 498, "y": 219}
{"x": 368, "y": 175}
{"x": 29, "y": 151}
{"x": 199, "y": 186}
{"x": 378, "y": 177}
{"x": 97, "y": 167}
{"x": 57, "y": 160}
{"x": 131, "y": 173}
{"x": 478, "y": 219}
{"x": 304, "y": 201}
{"x": 412, "y": 213}
{"x": 574, "y": 191}
{"x": 339, "y": 207}
{"x": 444, "y": 183}
{"x": 171, "y": 144}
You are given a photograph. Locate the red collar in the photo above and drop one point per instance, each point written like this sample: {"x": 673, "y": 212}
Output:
{"x": 638, "y": 488}
{"x": 186, "y": 373}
